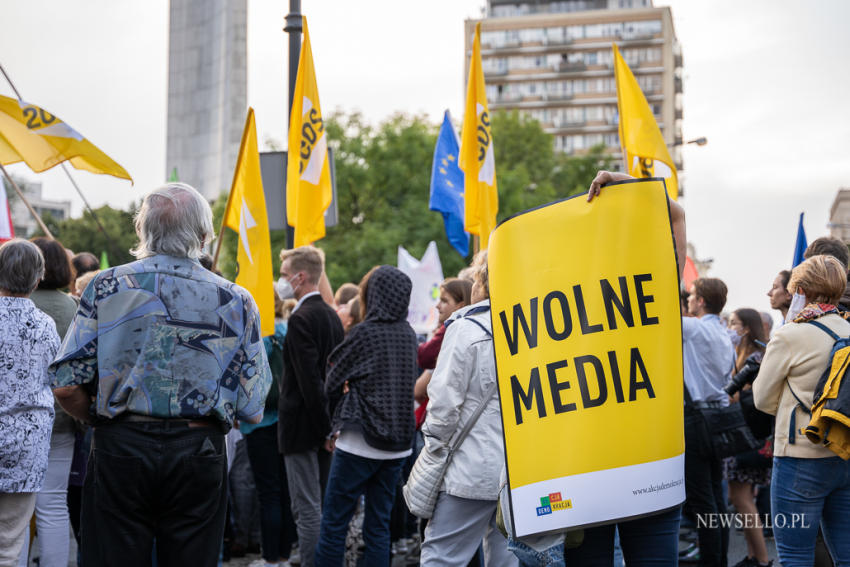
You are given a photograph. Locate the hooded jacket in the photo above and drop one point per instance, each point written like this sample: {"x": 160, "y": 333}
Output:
{"x": 378, "y": 360}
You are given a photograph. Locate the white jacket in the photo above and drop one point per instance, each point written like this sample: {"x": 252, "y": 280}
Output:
{"x": 465, "y": 370}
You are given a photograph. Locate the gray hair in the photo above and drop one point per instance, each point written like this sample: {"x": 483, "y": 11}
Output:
{"x": 174, "y": 220}
{"x": 21, "y": 266}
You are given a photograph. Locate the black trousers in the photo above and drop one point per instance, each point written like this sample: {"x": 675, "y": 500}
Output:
{"x": 277, "y": 525}
{"x": 704, "y": 493}
{"x": 162, "y": 480}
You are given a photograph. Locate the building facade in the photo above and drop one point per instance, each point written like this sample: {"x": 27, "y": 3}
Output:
{"x": 554, "y": 61}
{"x": 839, "y": 216}
{"x": 207, "y": 91}
{"x": 22, "y": 221}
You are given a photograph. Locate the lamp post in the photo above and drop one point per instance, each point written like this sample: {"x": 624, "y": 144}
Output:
{"x": 701, "y": 141}
{"x": 293, "y": 28}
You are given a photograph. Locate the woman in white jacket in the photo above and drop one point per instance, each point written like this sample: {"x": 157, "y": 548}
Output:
{"x": 465, "y": 513}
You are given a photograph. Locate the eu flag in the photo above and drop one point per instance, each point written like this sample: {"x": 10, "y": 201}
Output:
{"x": 447, "y": 186}
{"x": 800, "y": 247}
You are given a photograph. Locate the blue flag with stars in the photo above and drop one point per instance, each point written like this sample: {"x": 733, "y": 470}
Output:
{"x": 800, "y": 245}
{"x": 447, "y": 186}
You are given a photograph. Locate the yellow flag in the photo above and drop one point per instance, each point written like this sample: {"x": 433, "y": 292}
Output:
{"x": 246, "y": 214}
{"x": 644, "y": 149}
{"x": 30, "y": 134}
{"x": 481, "y": 197}
{"x": 308, "y": 177}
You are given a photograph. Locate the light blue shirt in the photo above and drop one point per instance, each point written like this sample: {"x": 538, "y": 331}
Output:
{"x": 709, "y": 358}
{"x": 164, "y": 337}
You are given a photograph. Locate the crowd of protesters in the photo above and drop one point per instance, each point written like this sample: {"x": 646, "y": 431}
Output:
{"x": 118, "y": 400}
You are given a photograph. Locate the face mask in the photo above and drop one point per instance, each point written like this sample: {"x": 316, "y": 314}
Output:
{"x": 734, "y": 337}
{"x": 284, "y": 288}
{"x": 798, "y": 301}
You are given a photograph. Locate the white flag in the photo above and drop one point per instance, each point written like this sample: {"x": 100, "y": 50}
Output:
{"x": 426, "y": 275}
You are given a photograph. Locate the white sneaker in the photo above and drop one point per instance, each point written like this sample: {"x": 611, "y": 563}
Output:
{"x": 263, "y": 563}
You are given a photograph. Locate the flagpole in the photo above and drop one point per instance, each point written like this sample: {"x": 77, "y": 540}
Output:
{"x": 220, "y": 237}
{"x": 11, "y": 84}
{"x": 293, "y": 28}
{"x": 232, "y": 185}
{"x": 111, "y": 243}
{"x": 27, "y": 203}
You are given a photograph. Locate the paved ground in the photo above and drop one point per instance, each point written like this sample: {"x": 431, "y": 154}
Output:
{"x": 737, "y": 550}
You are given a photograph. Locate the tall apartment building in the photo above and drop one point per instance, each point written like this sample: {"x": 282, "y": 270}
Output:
{"x": 207, "y": 91}
{"x": 553, "y": 60}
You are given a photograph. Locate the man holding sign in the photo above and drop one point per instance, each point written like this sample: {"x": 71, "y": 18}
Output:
{"x": 589, "y": 363}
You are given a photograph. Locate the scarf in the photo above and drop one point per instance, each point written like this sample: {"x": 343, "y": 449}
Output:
{"x": 813, "y": 311}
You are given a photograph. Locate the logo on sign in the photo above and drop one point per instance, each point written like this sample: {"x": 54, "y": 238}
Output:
{"x": 553, "y": 503}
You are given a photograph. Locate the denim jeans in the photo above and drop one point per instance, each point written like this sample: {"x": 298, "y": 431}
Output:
{"x": 277, "y": 525}
{"x": 351, "y": 476}
{"x": 162, "y": 480}
{"x": 806, "y": 493}
{"x": 649, "y": 541}
{"x": 704, "y": 492}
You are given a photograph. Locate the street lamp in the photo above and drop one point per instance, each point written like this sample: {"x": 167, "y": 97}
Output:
{"x": 701, "y": 141}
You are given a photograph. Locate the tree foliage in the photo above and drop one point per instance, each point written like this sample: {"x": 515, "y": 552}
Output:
{"x": 83, "y": 234}
{"x": 383, "y": 176}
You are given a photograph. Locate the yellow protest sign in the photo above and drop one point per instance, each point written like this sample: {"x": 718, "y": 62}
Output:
{"x": 588, "y": 344}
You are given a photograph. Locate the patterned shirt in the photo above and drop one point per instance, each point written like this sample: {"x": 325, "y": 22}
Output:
{"x": 164, "y": 337}
{"x": 28, "y": 342}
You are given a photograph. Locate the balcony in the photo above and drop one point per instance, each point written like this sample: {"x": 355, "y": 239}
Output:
{"x": 557, "y": 97}
{"x": 571, "y": 66}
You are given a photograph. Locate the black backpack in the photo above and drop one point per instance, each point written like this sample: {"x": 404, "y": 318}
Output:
{"x": 276, "y": 366}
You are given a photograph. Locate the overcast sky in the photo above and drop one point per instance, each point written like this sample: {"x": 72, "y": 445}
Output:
{"x": 765, "y": 81}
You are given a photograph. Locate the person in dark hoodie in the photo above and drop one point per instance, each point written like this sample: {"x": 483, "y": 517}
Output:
{"x": 370, "y": 395}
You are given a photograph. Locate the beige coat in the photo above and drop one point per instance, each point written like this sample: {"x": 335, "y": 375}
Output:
{"x": 797, "y": 355}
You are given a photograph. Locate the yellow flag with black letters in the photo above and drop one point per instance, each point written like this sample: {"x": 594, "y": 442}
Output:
{"x": 477, "y": 157}
{"x": 308, "y": 177}
{"x": 588, "y": 348}
{"x": 644, "y": 149}
{"x": 246, "y": 214}
{"x": 33, "y": 135}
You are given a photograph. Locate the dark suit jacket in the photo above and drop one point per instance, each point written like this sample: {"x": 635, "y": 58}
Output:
{"x": 314, "y": 330}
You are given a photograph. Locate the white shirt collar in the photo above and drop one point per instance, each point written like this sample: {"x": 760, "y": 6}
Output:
{"x": 300, "y": 301}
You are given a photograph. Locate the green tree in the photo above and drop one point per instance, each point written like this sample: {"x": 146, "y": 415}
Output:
{"x": 83, "y": 234}
{"x": 383, "y": 176}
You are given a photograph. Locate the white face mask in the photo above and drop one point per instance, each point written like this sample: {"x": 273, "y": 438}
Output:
{"x": 284, "y": 288}
{"x": 798, "y": 302}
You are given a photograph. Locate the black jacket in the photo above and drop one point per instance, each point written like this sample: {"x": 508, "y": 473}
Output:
{"x": 314, "y": 330}
{"x": 378, "y": 360}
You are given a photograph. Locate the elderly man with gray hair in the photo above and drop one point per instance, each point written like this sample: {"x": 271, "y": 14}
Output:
{"x": 28, "y": 342}
{"x": 162, "y": 357}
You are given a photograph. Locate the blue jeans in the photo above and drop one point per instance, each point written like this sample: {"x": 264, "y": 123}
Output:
{"x": 350, "y": 477}
{"x": 649, "y": 541}
{"x": 806, "y": 493}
